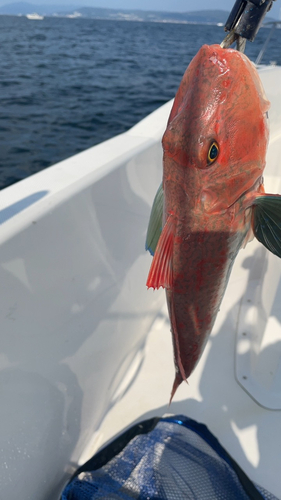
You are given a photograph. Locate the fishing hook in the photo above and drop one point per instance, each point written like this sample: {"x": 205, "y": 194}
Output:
{"x": 231, "y": 38}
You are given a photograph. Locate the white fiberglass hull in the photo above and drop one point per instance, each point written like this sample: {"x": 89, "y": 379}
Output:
{"x": 86, "y": 349}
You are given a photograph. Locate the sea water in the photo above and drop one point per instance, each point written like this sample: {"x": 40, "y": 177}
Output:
{"x": 68, "y": 84}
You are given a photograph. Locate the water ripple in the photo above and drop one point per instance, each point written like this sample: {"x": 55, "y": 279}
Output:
{"x": 67, "y": 84}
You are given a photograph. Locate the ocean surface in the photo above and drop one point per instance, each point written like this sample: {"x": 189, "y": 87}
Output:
{"x": 68, "y": 84}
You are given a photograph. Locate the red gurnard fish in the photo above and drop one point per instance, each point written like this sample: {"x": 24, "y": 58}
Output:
{"x": 211, "y": 200}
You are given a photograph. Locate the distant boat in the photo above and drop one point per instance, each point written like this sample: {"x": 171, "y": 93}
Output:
{"x": 35, "y": 16}
{"x": 74, "y": 15}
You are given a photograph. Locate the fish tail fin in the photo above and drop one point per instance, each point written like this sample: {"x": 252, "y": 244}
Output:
{"x": 177, "y": 382}
{"x": 180, "y": 371}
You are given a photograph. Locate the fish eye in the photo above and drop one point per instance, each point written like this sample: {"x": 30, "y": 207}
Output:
{"x": 213, "y": 152}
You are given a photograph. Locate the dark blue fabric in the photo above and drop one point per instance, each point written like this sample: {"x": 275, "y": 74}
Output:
{"x": 179, "y": 459}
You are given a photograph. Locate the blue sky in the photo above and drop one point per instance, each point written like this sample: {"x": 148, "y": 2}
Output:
{"x": 169, "y": 5}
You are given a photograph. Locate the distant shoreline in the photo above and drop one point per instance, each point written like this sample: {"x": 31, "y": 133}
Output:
{"x": 158, "y": 21}
{"x": 61, "y": 16}
{"x": 209, "y": 17}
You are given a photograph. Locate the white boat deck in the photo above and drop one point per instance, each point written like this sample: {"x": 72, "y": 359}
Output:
{"x": 86, "y": 349}
{"x": 248, "y": 431}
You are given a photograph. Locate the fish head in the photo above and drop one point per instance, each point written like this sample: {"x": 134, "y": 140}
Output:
{"x": 217, "y": 133}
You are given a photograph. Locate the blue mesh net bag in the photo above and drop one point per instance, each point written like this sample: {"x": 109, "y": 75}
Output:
{"x": 172, "y": 458}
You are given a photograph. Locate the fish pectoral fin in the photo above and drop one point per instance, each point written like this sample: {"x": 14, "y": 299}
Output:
{"x": 155, "y": 222}
{"x": 161, "y": 271}
{"x": 266, "y": 221}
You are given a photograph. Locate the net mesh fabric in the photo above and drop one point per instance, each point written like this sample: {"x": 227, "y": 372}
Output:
{"x": 265, "y": 494}
{"x": 172, "y": 462}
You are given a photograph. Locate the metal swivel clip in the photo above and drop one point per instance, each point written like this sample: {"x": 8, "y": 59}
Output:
{"x": 244, "y": 22}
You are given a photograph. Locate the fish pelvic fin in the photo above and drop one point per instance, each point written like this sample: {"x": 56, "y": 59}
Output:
{"x": 161, "y": 270}
{"x": 266, "y": 221}
{"x": 155, "y": 222}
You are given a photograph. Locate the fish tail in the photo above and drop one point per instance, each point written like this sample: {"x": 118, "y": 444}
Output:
{"x": 180, "y": 371}
{"x": 177, "y": 382}
{"x": 176, "y": 340}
